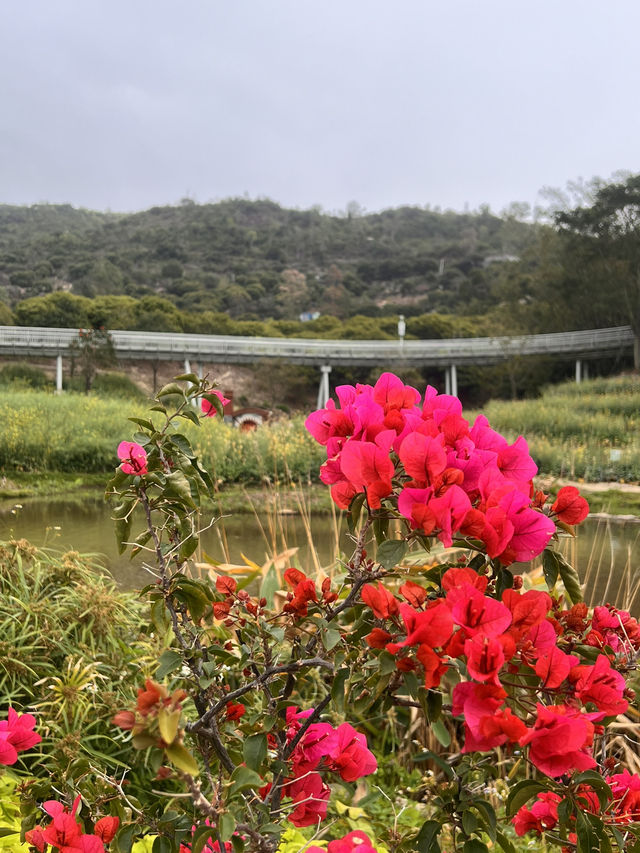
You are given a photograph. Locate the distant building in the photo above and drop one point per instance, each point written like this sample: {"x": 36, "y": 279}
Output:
{"x": 306, "y": 316}
{"x": 246, "y": 419}
{"x": 499, "y": 259}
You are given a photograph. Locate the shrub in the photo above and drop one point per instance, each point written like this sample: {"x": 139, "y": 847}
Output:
{"x": 25, "y": 375}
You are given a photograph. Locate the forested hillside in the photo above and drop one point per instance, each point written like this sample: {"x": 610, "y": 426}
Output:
{"x": 256, "y": 260}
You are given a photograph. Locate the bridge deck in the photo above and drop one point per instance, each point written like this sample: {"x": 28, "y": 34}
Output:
{"x": 29, "y": 342}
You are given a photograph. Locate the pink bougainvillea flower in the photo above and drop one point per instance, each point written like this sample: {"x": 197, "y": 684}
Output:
{"x": 527, "y": 609}
{"x": 561, "y": 739}
{"x": 485, "y": 724}
{"x": 423, "y": 457}
{"x": 625, "y": 788}
{"x": 318, "y": 741}
{"x": 553, "y": 667}
{"x": 485, "y": 658}
{"x": 478, "y": 613}
{"x": 16, "y": 735}
{"x": 208, "y": 409}
{"x": 602, "y": 685}
{"x": 350, "y": 756}
{"x": 309, "y": 796}
{"x": 133, "y": 458}
{"x": 366, "y": 466}
{"x": 354, "y": 842}
{"x": 570, "y": 506}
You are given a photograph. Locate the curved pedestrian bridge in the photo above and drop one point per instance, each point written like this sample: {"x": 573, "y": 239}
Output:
{"x": 22, "y": 341}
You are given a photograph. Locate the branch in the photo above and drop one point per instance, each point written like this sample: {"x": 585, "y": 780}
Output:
{"x": 294, "y": 666}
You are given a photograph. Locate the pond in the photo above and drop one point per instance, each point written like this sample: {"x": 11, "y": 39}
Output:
{"x": 606, "y": 552}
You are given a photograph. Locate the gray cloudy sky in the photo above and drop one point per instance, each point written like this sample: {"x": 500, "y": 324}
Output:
{"x": 124, "y": 104}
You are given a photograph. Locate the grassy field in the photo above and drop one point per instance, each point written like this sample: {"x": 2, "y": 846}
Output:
{"x": 589, "y": 431}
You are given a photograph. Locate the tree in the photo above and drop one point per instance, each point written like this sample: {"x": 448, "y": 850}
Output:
{"x": 92, "y": 349}
{"x": 607, "y": 233}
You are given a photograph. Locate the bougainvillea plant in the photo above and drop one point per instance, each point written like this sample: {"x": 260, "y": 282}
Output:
{"x": 257, "y": 717}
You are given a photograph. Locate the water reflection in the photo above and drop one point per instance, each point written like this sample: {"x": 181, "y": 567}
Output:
{"x": 605, "y": 552}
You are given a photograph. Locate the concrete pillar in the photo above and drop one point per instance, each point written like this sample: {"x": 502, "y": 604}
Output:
{"x": 585, "y": 370}
{"x": 323, "y": 390}
{"x": 454, "y": 380}
{"x": 447, "y": 380}
{"x": 187, "y": 365}
{"x": 578, "y": 370}
{"x": 59, "y": 374}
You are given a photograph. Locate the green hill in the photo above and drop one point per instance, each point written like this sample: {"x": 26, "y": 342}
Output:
{"x": 255, "y": 259}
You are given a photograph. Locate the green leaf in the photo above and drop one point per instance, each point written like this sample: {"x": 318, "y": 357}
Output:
{"x": 469, "y": 822}
{"x": 143, "y": 422}
{"x": 426, "y": 840}
{"x": 428, "y": 755}
{"x": 124, "y": 838}
{"x": 330, "y": 638}
{"x": 168, "y": 723}
{"x": 571, "y": 581}
{"x": 588, "y": 841}
{"x": 338, "y": 688}
{"x": 162, "y": 844}
{"x": 441, "y": 732}
{"x": 521, "y": 793}
{"x": 269, "y": 585}
{"x": 182, "y": 758}
{"x": 215, "y": 402}
{"x": 243, "y": 778}
{"x": 474, "y": 845}
{"x": 595, "y": 781}
{"x": 171, "y": 388}
{"x": 6, "y": 830}
{"x": 226, "y": 826}
{"x": 123, "y": 529}
{"x": 254, "y": 751}
{"x": 488, "y": 816}
{"x": 391, "y": 553}
{"x": 177, "y": 486}
{"x": 188, "y": 377}
{"x": 353, "y": 513}
{"x": 380, "y": 528}
{"x": 200, "y": 837}
{"x": 168, "y": 662}
{"x": 504, "y": 842}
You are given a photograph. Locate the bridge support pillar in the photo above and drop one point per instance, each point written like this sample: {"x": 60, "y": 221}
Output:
{"x": 323, "y": 390}
{"x": 578, "y": 370}
{"x": 187, "y": 365}
{"x": 59, "y": 374}
{"x": 451, "y": 380}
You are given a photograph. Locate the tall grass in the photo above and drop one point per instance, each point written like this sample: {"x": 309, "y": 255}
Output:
{"x": 589, "y": 431}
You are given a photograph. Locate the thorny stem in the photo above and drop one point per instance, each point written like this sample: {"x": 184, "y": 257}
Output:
{"x": 269, "y": 673}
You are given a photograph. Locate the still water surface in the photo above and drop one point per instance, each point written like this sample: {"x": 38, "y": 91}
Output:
{"x": 606, "y": 552}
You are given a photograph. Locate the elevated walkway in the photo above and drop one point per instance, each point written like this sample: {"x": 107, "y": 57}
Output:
{"x": 29, "y": 342}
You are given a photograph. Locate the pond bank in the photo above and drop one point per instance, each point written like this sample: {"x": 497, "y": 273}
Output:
{"x": 605, "y": 499}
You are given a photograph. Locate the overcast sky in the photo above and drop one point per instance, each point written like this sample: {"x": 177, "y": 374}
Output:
{"x": 124, "y": 104}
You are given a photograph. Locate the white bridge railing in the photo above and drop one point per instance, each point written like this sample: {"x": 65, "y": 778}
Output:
{"x": 167, "y": 346}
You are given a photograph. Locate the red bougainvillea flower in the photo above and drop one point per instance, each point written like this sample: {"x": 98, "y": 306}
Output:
{"x": 309, "y": 796}
{"x": 561, "y": 739}
{"x": 380, "y": 600}
{"x": 133, "y": 458}
{"x": 542, "y": 815}
{"x": 106, "y": 828}
{"x": 234, "y": 710}
{"x": 377, "y": 638}
{"x": 570, "y": 506}
{"x": 208, "y": 408}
